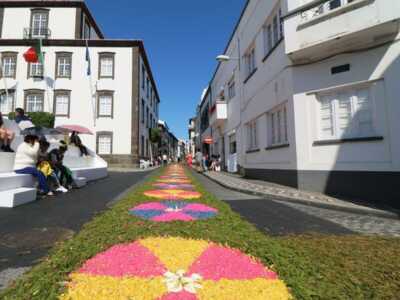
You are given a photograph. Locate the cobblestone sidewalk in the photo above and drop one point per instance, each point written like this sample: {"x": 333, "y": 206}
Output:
{"x": 279, "y": 192}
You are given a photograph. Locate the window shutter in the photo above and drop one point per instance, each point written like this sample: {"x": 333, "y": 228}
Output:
{"x": 363, "y": 114}
{"x": 344, "y": 115}
{"x": 326, "y": 114}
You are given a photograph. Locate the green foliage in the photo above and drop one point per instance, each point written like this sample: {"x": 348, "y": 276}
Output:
{"x": 313, "y": 266}
{"x": 41, "y": 119}
{"x": 155, "y": 135}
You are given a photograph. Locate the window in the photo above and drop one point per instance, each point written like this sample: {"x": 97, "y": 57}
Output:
{"x": 62, "y": 103}
{"x": 86, "y": 30}
{"x": 142, "y": 145}
{"x": 105, "y": 104}
{"x": 151, "y": 120}
{"x": 348, "y": 114}
{"x": 267, "y": 32}
{"x": 9, "y": 64}
{"x": 6, "y": 103}
{"x": 252, "y": 136}
{"x": 232, "y": 144}
{"x": 231, "y": 89}
{"x": 277, "y": 126}
{"x": 147, "y": 147}
{"x": 273, "y": 32}
{"x": 104, "y": 143}
{"x": 147, "y": 118}
{"x": 34, "y": 101}
{"x": 148, "y": 87}
{"x": 143, "y": 77}
{"x": 63, "y": 65}
{"x": 106, "y": 65}
{"x": 143, "y": 115}
{"x": 275, "y": 29}
{"x": 282, "y": 34}
{"x": 39, "y": 24}
{"x": 35, "y": 70}
{"x": 250, "y": 61}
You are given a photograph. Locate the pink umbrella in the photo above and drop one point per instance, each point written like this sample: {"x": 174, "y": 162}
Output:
{"x": 74, "y": 128}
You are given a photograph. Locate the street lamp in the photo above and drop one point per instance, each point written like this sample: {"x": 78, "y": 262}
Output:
{"x": 225, "y": 58}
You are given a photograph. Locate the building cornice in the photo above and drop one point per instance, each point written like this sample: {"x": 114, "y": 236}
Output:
{"x": 45, "y": 4}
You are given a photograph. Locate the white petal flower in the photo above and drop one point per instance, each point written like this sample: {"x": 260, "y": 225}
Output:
{"x": 177, "y": 282}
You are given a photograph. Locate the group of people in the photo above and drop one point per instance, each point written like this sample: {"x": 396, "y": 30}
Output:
{"x": 203, "y": 163}
{"x": 7, "y": 135}
{"x": 33, "y": 157}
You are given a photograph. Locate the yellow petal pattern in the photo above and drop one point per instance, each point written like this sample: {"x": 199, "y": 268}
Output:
{"x": 255, "y": 289}
{"x": 166, "y": 250}
{"x": 88, "y": 287}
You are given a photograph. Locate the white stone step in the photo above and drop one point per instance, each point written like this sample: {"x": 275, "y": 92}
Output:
{"x": 16, "y": 197}
{"x": 11, "y": 180}
{"x": 80, "y": 182}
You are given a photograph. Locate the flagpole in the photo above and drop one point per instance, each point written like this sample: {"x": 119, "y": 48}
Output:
{"x": 89, "y": 73}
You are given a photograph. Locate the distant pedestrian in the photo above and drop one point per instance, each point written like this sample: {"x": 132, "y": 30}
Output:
{"x": 165, "y": 159}
{"x": 199, "y": 160}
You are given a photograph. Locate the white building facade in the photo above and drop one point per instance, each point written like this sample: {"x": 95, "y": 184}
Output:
{"x": 309, "y": 96}
{"x": 118, "y": 101}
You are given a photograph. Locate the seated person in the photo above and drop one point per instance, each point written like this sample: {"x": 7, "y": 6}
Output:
{"x": 6, "y": 136}
{"x": 76, "y": 140}
{"x": 26, "y": 160}
{"x": 22, "y": 120}
{"x": 20, "y": 116}
{"x": 44, "y": 166}
{"x": 56, "y": 160}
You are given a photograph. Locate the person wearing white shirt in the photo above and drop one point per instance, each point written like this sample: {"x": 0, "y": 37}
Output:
{"x": 26, "y": 160}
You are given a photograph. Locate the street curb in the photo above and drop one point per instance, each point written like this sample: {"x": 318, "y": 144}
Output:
{"x": 360, "y": 211}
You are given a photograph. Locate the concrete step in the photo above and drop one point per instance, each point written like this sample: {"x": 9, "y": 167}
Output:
{"x": 92, "y": 173}
{"x": 11, "y": 180}
{"x": 16, "y": 197}
{"x": 80, "y": 182}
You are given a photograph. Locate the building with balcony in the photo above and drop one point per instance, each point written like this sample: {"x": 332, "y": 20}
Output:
{"x": 105, "y": 85}
{"x": 311, "y": 93}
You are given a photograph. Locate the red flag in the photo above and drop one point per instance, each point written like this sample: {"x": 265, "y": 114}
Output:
{"x": 31, "y": 56}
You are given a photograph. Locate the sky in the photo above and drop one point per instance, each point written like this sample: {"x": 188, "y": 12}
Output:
{"x": 182, "y": 39}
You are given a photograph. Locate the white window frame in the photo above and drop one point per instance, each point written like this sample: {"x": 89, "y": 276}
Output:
{"x": 7, "y": 104}
{"x": 39, "y": 26}
{"x": 34, "y": 102}
{"x": 250, "y": 60}
{"x": 64, "y": 95}
{"x": 9, "y": 65}
{"x": 353, "y": 130}
{"x": 105, "y": 104}
{"x": 64, "y": 66}
{"x": 252, "y": 135}
{"x": 101, "y": 144}
{"x": 232, "y": 141}
{"x": 231, "y": 88}
{"x": 36, "y": 69}
{"x": 277, "y": 125}
{"x": 273, "y": 30}
{"x": 106, "y": 65}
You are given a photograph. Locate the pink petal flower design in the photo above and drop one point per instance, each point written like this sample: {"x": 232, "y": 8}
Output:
{"x": 124, "y": 260}
{"x": 173, "y": 216}
{"x": 199, "y": 207}
{"x": 224, "y": 263}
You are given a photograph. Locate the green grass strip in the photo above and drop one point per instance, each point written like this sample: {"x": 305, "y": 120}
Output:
{"x": 313, "y": 266}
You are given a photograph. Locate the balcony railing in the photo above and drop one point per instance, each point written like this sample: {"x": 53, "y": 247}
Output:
{"x": 37, "y": 33}
{"x": 320, "y": 7}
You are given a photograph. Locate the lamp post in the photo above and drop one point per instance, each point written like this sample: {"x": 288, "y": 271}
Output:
{"x": 223, "y": 59}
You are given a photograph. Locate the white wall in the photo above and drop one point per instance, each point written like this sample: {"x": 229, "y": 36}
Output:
{"x": 61, "y": 22}
{"x": 81, "y": 105}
